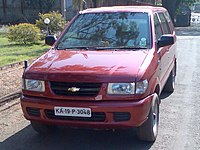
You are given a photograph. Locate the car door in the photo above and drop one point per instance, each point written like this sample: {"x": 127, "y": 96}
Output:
{"x": 163, "y": 52}
{"x": 172, "y": 48}
{"x": 168, "y": 60}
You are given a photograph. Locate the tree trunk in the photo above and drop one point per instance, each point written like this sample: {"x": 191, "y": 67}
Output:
{"x": 4, "y": 6}
{"x": 170, "y": 5}
{"x": 49, "y": 5}
{"x": 40, "y": 6}
{"x": 94, "y": 3}
{"x": 22, "y": 6}
{"x": 153, "y": 2}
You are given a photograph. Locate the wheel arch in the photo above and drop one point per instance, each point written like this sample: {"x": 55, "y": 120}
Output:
{"x": 156, "y": 88}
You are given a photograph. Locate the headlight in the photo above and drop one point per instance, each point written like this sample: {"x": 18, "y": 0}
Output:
{"x": 127, "y": 88}
{"x": 141, "y": 87}
{"x": 121, "y": 88}
{"x": 33, "y": 85}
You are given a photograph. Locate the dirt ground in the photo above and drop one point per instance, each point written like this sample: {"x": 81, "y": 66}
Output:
{"x": 11, "y": 114}
{"x": 10, "y": 80}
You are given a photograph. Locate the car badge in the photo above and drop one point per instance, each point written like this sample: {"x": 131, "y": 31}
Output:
{"x": 73, "y": 89}
{"x": 98, "y": 97}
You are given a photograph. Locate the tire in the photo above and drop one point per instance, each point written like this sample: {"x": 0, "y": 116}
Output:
{"x": 170, "y": 84}
{"x": 148, "y": 131}
{"x": 42, "y": 128}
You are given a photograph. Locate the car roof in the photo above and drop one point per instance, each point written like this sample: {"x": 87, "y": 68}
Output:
{"x": 148, "y": 9}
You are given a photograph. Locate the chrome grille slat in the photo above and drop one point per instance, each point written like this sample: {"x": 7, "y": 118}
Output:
{"x": 83, "y": 89}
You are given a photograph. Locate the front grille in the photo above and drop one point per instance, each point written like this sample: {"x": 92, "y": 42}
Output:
{"x": 75, "y": 89}
{"x": 96, "y": 117}
{"x": 121, "y": 116}
{"x": 33, "y": 111}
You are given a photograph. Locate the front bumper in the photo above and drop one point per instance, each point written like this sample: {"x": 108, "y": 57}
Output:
{"x": 105, "y": 114}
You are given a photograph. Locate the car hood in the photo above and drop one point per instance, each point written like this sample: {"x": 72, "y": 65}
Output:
{"x": 91, "y": 66}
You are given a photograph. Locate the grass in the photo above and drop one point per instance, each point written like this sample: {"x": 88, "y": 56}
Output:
{"x": 11, "y": 52}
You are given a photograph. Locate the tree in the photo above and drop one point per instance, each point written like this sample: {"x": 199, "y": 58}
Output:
{"x": 172, "y": 5}
{"x": 43, "y": 5}
{"x": 4, "y": 2}
{"x": 82, "y": 4}
{"x": 56, "y": 24}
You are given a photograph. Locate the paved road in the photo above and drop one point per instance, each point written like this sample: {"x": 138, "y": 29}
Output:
{"x": 179, "y": 116}
{"x": 193, "y": 30}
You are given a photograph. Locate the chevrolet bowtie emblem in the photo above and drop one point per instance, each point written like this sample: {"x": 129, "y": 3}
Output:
{"x": 73, "y": 89}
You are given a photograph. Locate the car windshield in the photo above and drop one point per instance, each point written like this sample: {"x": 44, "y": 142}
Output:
{"x": 120, "y": 30}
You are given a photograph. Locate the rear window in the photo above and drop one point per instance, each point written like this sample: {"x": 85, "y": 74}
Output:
{"x": 112, "y": 30}
{"x": 158, "y": 30}
{"x": 164, "y": 24}
{"x": 169, "y": 21}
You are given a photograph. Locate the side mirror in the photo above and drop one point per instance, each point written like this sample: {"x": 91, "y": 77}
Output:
{"x": 166, "y": 40}
{"x": 50, "y": 40}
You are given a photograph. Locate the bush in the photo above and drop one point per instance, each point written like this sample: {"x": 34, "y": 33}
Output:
{"x": 24, "y": 33}
{"x": 3, "y": 30}
{"x": 56, "y": 24}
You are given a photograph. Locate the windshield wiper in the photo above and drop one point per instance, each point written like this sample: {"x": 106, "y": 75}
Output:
{"x": 77, "y": 48}
{"x": 121, "y": 47}
{"x": 100, "y": 48}
{"x": 104, "y": 48}
{"x": 132, "y": 47}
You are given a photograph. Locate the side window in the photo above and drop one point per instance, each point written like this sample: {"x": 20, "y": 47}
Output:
{"x": 158, "y": 30}
{"x": 164, "y": 23}
{"x": 168, "y": 18}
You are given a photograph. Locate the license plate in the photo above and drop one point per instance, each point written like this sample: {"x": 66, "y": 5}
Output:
{"x": 72, "y": 111}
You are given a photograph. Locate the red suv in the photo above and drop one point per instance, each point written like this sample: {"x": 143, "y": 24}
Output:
{"x": 106, "y": 70}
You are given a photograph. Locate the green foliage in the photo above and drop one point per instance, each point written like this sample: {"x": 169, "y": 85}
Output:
{"x": 189, "y": 2}
{"x": 24, "y": 33}
{"x": 56, "y": 24}
{"x": 12, "y": 52}
{"x": 77, "y": 4}
{"x": 3, "y": 30}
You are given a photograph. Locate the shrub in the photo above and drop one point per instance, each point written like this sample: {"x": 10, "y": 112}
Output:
{"x": 3, "y": 30}
{"x": 24, "y": 33}
{"x": 56, "y": 24}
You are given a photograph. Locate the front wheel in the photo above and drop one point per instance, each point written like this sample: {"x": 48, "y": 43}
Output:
{"x": 148, "y": 130}
{"x": 170, "y": 84}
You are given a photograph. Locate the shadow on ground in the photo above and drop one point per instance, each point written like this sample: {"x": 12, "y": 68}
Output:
{"x": 193, "y": 30}
{"x": 76, "y": 139}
